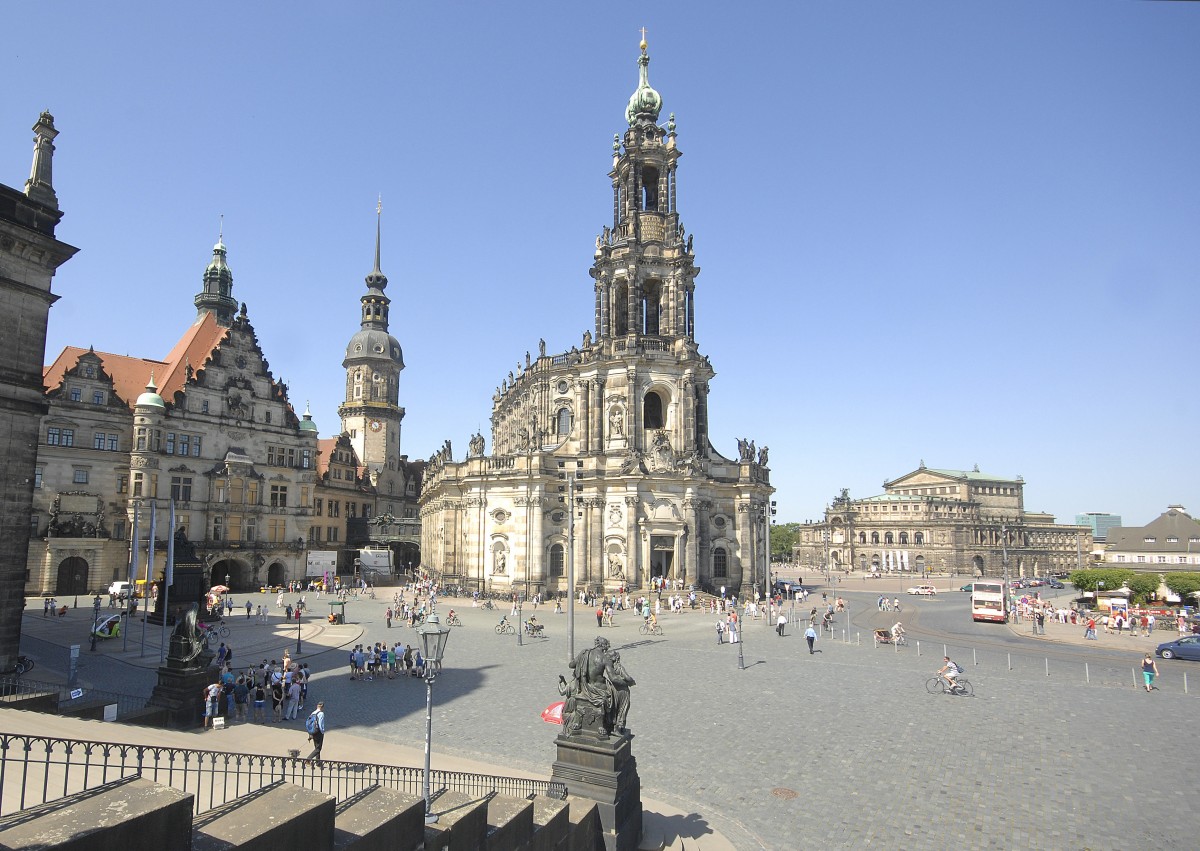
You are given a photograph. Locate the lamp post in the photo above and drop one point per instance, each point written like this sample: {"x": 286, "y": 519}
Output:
{"x": 1099, "y": 588}
{"x": 433, "y": 644}
{"x": 95, "y": 620}
{"x": 520, "y": 625}
{"x": 227, "y": 589}
{"x": 76, "y": 605}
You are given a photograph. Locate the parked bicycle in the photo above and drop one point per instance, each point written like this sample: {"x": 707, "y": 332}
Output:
{"x": 938, "y": 685}
{"x": 23, "y": 665}
{"x": 488, "y": 604}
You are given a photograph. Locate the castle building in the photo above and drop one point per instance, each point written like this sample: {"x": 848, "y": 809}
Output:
{"x": 207, "y": 427}
{"x": 30, "y": 254}
{"x": 942, "y": 521}
{"x": 614, "y": 430}
{"x": 371, "y": 416}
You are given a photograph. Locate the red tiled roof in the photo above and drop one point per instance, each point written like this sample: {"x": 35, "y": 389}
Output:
{"x": 130, "y": 375}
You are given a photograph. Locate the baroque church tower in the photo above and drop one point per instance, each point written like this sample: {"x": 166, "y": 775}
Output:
{"x": 618, "y": 425}
{"x": 371, "y": 413}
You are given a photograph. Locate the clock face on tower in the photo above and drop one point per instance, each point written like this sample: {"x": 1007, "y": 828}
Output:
{"x": 375, "y": 425}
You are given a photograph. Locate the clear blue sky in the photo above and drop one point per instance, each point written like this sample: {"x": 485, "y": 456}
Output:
{"x": 967, "y": 233}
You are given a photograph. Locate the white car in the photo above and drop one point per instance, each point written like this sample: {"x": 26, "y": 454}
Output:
{"x": 923, "y": 590}
{"x": 121, "y": 589}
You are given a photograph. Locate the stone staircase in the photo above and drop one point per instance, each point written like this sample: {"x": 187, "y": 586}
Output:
{"x": 136, "y": 813}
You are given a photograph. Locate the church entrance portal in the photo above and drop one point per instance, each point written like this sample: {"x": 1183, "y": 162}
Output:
{"x": 662, "y": 556}
{"x": 72, "y": 577}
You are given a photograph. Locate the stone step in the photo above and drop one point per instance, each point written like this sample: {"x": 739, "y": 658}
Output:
{"x": 551, "y": 824}
{"x": 462, "y": 822}
{"x": 114, "y": 817}
{"x": 281, "y": 815}
{"x": 379, "y": 819}
{"x": 509, "y": 823}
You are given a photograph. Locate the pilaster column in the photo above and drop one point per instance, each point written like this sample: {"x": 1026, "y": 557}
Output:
{"x": 536, "y": 549}
{"x": 633, "y": 542}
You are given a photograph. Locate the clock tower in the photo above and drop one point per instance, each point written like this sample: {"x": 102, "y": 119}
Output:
{"x": 371, "y": 413}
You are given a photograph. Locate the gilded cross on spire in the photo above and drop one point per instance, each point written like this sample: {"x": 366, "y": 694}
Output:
{"x": 379, "y": 205}
{"x": 643, "y": 45}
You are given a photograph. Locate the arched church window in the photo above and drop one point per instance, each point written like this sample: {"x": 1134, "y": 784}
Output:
{"x": 650, "y": 189}
{"x": 862, "y": 537}
{"x": 652, "y": 411}
{"x": 621, "y": 310}
{"x": 918, "y": 538}
{"x": 556, "y": 560}
{"x": 651, "y": 306}
{"x": 564, "y": 422}
{"x": 720, "y": 563}
{"x": 904, "y": 537}
{"x": 887, "y": 538}
{"x": 874, "y": 537}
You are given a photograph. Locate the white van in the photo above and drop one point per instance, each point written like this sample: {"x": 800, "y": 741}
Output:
{"x": 121, "y": 589}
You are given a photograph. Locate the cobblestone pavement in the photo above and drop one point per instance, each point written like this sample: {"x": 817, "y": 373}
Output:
{"x": 840, "y": 749}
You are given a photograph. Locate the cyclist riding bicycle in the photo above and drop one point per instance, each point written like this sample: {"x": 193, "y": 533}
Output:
{"x": 451, "y": 616}
{"x": 897, "y": 631}
{"x": 949, "y": 672}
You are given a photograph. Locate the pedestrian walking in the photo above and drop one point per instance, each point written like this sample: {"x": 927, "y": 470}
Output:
{"x": 1149, "y": 672}
{"x": 316, "y": 731}
{"x": 249, "y": 609}
{"x": 720, "y": 631}
{"x": 780, "y": 624}
{"x": 810, "y": 635}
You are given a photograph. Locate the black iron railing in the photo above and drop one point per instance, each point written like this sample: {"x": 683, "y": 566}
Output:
{"x": 67, "y": 701}
{"x": 37, "y": 769}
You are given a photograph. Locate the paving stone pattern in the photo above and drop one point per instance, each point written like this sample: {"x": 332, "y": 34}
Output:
{"x": 873, "y": 760}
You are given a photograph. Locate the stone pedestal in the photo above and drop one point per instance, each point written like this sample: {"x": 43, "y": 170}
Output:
{"x": 181, "y": 692}
{"x": 603, "y": 769}
{"x": 187, "y": 588}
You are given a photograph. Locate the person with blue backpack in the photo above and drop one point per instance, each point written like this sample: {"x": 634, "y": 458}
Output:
{"x": 315, "y": 725}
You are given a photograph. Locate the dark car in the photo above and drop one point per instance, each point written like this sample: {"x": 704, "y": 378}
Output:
{"x": 787, "y": 587}
{"x": 1054, "y": 583}
{"x": 1185, "y": 647}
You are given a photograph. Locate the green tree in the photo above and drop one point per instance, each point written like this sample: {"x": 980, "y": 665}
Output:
{"x": 783, "y": 538}
{"x": 1184, "y": 584}
{"x": 1144, "y": 586}
{"x": 1090, "y": 578}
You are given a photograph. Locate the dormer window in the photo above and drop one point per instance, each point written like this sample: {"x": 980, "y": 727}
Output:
{"x": 1150, "y": 539}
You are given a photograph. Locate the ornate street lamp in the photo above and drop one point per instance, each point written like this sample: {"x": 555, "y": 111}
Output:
{"x": 95, "y": 620}
{"x": 76, "y": 605}
{"x": 433, "y": 644}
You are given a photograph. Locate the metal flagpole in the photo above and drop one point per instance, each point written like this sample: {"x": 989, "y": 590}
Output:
{"x": 149, "y": 568}
{"x": 570, "y": 567}
{"x": 133, "y": 572}
{"x": 168, "y": 578}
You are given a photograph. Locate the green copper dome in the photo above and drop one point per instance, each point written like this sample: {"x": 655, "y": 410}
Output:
{"x": 307, "y": 423}
{"x": 151, "y": 398}
{"x": 645, "y": 102}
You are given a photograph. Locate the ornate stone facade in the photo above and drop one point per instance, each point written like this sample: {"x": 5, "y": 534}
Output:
{"x": 208, "y": 426}
{"x": 30, "y": 254}
{"x": 942, "y": 521}
{"x": 614, "y": 429}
